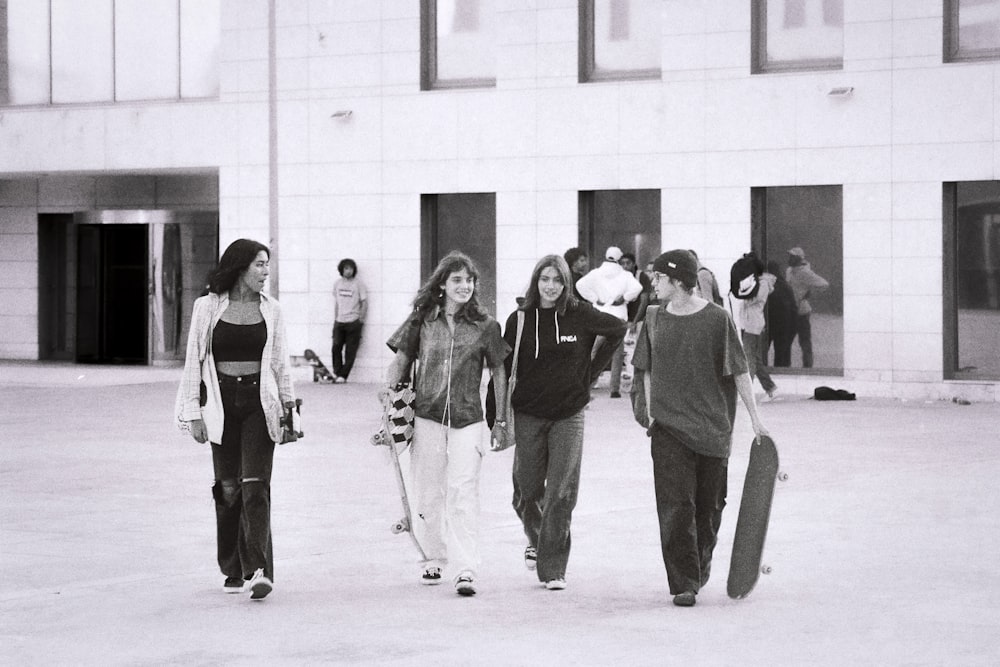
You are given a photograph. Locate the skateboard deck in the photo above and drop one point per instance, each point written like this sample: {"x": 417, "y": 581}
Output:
{"x": 396, "y": 432}
{"x": 291, "y": 425}
{"x": 628, "y": 371}
{"x": 320, "y": 372}
{"x": 751, "y": 525}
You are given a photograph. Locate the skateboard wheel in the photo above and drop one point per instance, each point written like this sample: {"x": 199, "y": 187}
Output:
{"x": 766, "y": 569}
{"x": 378, "y": 439}
{"x": 783, "y": 476}
{"x": 400, "y": 526}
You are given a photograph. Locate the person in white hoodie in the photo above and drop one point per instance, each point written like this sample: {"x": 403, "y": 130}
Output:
{"x": 610, "y": 288}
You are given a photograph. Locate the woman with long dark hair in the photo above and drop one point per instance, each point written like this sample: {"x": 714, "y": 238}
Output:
{"x": 236, "y": 386}
{"x": 549, "y": 401}
{"x": 452, "y": 338}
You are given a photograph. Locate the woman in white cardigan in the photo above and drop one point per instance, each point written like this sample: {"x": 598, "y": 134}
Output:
{"x": 235, "y": 387}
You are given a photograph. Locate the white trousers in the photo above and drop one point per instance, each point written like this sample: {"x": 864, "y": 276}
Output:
{"x": 444, "y": 469}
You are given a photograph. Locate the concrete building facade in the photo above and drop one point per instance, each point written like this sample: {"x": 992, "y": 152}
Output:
{"x": 336, "y": 132}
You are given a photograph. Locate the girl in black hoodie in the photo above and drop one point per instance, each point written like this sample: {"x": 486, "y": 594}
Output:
{"x": 553, "y": 388}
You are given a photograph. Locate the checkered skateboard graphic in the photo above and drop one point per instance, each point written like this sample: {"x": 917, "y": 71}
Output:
{"x": 399, "y": 416}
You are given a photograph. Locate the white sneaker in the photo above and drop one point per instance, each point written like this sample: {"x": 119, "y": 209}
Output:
{"x": 431, "y": 576}
{"x": 530, "y": 558}
{"x": 259, "y": 585}
{"x": 556, "y": 584}
{"x": 339, "y": 380}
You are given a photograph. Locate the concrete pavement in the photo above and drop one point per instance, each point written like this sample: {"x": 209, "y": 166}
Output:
{"x": 883, "y": 542}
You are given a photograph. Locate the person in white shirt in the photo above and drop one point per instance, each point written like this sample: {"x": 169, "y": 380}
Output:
{"x": 610, "y": 288}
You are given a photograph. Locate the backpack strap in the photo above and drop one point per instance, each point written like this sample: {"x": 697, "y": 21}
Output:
{"x": 649, "y": 323}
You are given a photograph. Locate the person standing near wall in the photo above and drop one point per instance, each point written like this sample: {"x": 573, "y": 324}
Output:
{"x": 751, "y": 321}
{"x": 350, "y": 306}
{"x": 579, "y": 264}
{"x": 636, "y": 311}
{"x": 452, "y": 338}
{"x": 804, "y": 282}
{"x": 694, "y": 367}
{"x": 236, "y": 383}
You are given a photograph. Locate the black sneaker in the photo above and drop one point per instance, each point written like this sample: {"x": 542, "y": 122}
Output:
{"x": 464, "y": 585}
{"x": 431, "y": 576}
{"x": 685, "y": 599}
{"x": 616, "y": 394}
{"x": 233, "y": 585}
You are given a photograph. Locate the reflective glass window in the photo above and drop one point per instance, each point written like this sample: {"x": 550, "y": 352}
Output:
{"x": 620, "y": 39}
{"x": 82, "y": 51}
{"x": 146, "y": 49}
{"x": 798, "y": 35}
{"x": 27, "y": 71}
{"x": 972, "y": 30}
{"x": 458, "y": 43}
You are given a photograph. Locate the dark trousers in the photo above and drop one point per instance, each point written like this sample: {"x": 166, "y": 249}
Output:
{"x": 242, "y": 490}
{"x": 690, "y": 497}
{"x": 346, "y": 341}
{"x": 546, "y": 474}
{"x": 803, "y": 329}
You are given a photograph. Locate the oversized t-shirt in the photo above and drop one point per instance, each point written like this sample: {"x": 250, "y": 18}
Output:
{"x": 692, "y": 364}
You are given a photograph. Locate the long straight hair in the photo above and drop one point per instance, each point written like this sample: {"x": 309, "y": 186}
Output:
{"x": 533, "y": 299}
{"x": 237, "y": 258}
{"x": 431, "y": 295}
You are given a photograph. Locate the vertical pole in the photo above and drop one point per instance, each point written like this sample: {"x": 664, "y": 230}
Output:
{"x": 272, "y": 146}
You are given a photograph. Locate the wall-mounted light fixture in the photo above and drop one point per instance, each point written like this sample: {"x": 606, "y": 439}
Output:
{"x": 342, "y": 114}
{"x": 840, "y": 91}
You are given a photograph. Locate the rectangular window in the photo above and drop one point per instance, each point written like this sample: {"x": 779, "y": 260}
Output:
{"x": 76, "y": 51}
{"x": 620, "y": 39}
{"x": 971, "y": 30}
{"x": 26, "y": 28}
{"x": 146, "y": 47}
{"x": 794, "y": 35}
{"x": 627, "y": 219}
{"x": 82, "y": 51}
{"x": 798, "y": 233}
{"x": 458, "y": 44}
{"x": 467, "y": 223}
{"x": 971, "y": 280}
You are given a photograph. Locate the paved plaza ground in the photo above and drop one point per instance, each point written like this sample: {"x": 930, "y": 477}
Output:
{"x": 884, "y": 542}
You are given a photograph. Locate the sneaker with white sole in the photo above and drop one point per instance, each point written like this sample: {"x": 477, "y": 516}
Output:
{"x": 556, "y": 584}
{"x": 431, "y": 576}
{"x": 464, "y": 585}
{"x": 233, "y": 585}
{"x": 259, "y": 585}
{"x": 530, "y": 558}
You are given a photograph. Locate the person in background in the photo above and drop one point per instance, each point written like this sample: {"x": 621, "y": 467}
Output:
{"x": 350, "y": 305}
{"x": 695, "y": 367}
{"x": 708, "y": 286}
{"x": 236, "y": 385}
{"x": 636, "y": 311}
{"x": 452, "y": 338}
{"x": 579, "y": 264}
{"x": 549, "y": 401}
{"x": 751, "y": 320}
{"x": 610, "y": 288}
{"x": 782, "y": 312}
{"x": 804, "y": 282}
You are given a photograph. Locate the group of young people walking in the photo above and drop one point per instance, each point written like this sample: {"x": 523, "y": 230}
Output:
{"x": 693, "y": 364}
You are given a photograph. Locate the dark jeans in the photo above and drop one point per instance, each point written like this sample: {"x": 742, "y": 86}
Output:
{"x": 346, "y": 341}
{"x": 803, "y": 329}
{"x": 782, "y": 337}
{"x": 690, "y": 497}
{"x": 546, "y": 482}
{"x": 242, "y": 488}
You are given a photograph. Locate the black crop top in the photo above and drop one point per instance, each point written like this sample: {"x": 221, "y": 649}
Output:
{"x": 239, "y": 342}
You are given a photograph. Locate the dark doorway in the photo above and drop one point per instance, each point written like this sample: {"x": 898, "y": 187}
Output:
{"x": 628, "y": 219}
{"x": 112, "y": 289}
{"x": 55, "y": 289}
{"x": 464, "y": 222}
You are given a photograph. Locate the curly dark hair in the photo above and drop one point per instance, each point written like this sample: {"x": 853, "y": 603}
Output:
{"x": 235, "y": 260}
{"x": 572, "y": 255}
{"x": 345, "y": 263}
{"x": 431, "y": 294}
